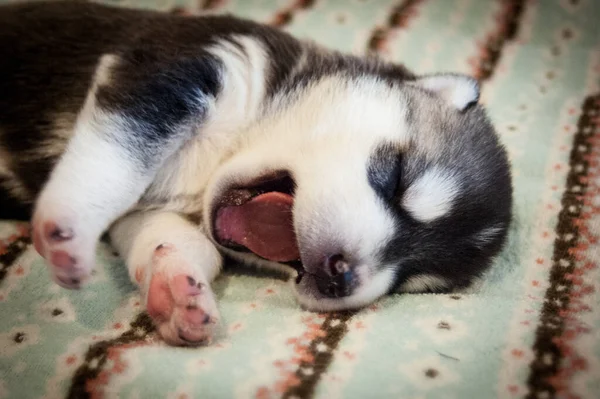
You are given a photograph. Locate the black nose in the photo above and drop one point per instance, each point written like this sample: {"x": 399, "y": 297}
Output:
{"x": 335, "y": 279}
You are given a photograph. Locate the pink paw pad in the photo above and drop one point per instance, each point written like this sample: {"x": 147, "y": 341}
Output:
{"x": 162, "y": 250}
{"x": 49, "y": 233}
{"x": 62, "y": 260}
{"x": 196, "y": 316}
{"x": 178, "y": 302}
{"x": 185, "y": 286}
{"x": 69, "y": 265}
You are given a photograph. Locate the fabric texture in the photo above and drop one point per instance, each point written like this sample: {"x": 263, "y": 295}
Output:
{"x": 530, "y": 329}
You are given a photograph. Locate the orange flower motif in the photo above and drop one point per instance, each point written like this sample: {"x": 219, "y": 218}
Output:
{"x": 263, "y": 393}
{"x": 314, "y": 326}
{"x": 310, "y": 335}
{"x": 290, "y": 381}
{"x": 307, "y": 357}
{"x": 517, "y": 353}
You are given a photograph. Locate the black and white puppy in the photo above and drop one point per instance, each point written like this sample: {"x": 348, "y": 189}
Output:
{"x": 188, "y": 138}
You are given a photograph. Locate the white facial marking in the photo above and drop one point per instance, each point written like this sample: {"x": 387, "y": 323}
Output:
{"x": 424, "y": 282}
{"x": 431, "y": 196}
{"x": 488, "y": 234}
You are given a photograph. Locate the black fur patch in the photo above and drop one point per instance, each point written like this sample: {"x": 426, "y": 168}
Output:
{"x": 383, "y": 171}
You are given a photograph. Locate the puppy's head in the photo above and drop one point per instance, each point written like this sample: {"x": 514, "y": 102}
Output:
{"x": 367, "y": 185}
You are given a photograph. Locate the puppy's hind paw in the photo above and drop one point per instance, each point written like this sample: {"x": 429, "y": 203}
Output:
{"x": 183, "y": 309}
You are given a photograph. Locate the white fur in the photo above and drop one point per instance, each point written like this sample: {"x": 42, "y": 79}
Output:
{"x": 103, "y": 69}
{"x": 488, "y": 234}
{"x": 431, "y": 196}
{"x": 424, "y": 282}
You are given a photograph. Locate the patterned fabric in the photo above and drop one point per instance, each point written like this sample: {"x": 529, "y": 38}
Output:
{"x": 530, "y": 329}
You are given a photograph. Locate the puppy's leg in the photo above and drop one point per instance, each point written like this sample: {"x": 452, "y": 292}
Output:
{"x": 95, "y": 181}
{"x": 173, "y": 263}
{"x": 130, "y": 124}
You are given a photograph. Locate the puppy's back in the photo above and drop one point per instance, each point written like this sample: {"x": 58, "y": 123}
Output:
{"x": 50, "y": 51}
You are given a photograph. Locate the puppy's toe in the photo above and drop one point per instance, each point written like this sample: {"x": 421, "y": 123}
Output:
{"x": 183, "y": 309}
{"x": 69, "y": 255}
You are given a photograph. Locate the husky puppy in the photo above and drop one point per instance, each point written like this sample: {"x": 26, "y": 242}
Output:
{"x": 187, "y": 138}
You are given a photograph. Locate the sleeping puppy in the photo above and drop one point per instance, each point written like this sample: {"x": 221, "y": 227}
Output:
{"x": 192, "y": 138}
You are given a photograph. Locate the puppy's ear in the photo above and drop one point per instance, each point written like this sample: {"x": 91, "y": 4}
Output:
{"x": 458, "y": 90}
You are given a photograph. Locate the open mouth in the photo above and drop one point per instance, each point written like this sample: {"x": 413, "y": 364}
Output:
{"x": 257, "y": 217}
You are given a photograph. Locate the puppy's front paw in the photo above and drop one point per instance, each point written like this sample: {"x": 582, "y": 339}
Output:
{"x": 68, "y": 249}
{"x": 182, "y": 306}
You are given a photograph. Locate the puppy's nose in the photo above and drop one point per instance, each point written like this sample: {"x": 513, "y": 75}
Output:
{"x": 336, "y": 265}
{"x": 335, "y": 279}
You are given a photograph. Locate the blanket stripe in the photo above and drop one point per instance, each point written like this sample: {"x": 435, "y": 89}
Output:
{"x": 88, "y": 380}
{"x": 399, "y": 18}
{"x": 506, "y": 30}
{"x": 321, "y": 352}
{"x": 286, "y": 15}
{"x": 544, "y": 369}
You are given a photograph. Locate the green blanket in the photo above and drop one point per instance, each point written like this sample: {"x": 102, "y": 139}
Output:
{"x": 529, "y": 329}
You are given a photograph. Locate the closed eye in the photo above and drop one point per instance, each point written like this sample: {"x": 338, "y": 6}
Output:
{"x": 384, "y": 170}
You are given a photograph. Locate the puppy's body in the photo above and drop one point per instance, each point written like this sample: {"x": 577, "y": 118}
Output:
{"x": 184, "y": 135}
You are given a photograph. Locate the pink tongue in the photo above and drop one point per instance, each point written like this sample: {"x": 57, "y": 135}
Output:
{"x": 263, "y": 225}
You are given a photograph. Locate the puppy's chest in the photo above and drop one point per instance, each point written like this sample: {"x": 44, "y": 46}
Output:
{"x": 181, "y": 182}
